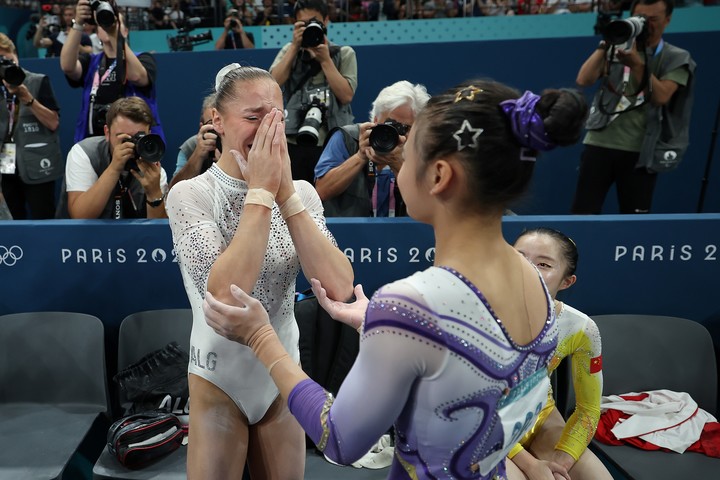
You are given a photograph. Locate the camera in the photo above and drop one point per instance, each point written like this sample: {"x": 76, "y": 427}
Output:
{"x": 386, "y": 136}
{"x": 314, "y": 34}
{"x": 308, "y": 133}
{"x": 149, "y": 147}
{"x": 626, "y": 31}
{"x": 184, "y": 42}
{"x": 104, "y": 13}
{"x": 99, "y": 115}
{"x": 52, "y": 26}
{"x": 235, "y": 20}
{"x": 10, "y": 72}
{"x": 313, "y": 112}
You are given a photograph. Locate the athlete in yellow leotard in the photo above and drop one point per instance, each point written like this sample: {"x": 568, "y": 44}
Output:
{"x": 551, "y": 439}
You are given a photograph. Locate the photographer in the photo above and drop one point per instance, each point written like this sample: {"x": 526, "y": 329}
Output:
{"x": 108, "y": 177}
{"x": 355, "y": 176}
{"x": 30, "y": 157}
{"x": 234, "y": 36}
{"x": 645, "y": 96}
{"x": 107, "y": 76}
{"x": 200, "y": 151}
{"x": 52, "y": 38}
{"x": 318, "y": 80}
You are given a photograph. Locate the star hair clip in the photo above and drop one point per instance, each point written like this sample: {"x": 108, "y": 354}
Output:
{"x": 467, "y": 136}
{"x": 467, "y": 93}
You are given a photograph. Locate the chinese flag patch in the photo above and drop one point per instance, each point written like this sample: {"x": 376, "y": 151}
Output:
{"x": 596, "y": 364}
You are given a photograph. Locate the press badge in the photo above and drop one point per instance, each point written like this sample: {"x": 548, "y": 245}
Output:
{"x": 622, "y": 105}
{"x": 7, "y": 159}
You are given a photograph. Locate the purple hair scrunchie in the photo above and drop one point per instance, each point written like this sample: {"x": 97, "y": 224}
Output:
{"x": 527, "y": 125}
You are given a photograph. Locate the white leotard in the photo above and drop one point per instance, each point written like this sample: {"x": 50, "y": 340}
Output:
{"x": 204, "y": 213}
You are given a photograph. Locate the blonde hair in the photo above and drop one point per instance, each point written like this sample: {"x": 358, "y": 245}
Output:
{"x": 6, "y": 43}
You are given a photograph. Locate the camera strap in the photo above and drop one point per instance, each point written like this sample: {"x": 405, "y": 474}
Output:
{"x": 641, "y": 97}
{"x": 123, "y": 198}
{"x": 97, "y": 81}
{"x": 13, "y": 109}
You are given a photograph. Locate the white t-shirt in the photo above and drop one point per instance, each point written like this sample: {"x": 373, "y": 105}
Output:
{"x": 80, "y": 174}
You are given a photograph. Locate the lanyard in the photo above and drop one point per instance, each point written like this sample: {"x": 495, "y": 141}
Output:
{"x": 97, "y": 81}
{"x": 626, "y": 69}
{"x": 12, "y": 108}
{"x": 391, "y": 198}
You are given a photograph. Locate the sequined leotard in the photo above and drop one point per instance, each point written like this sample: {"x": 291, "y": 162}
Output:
{"x": 204, "y": 213}
{"x": 469, "y": 391}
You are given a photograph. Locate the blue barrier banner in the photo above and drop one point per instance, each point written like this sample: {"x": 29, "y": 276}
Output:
{"x": 654, "y": 264}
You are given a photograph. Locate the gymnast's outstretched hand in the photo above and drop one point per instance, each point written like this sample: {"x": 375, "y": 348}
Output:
{"x": 351, "y": 314}
{"x": 236, "y": 322}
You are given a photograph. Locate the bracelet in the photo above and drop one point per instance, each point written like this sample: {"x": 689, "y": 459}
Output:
{"x": 29, "y": 104}
{"x": 292, "y": 206}
{"x": 260, "y": 196}
{"x": 78, "y": 27}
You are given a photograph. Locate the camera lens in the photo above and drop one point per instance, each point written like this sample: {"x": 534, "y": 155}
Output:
{"x": 104, "y": 13}
{"x": 11, "y": 73}
{"x": 384, "y": 138}
{"x": 313, "y": 35}
{"x": 150, "y": 147}
{"x": 623, "y": 30}
{"x": 308, "y": 133}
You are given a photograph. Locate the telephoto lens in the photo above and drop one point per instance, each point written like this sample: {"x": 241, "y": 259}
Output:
{"x": 104, "y": 13}
{"x": 313, "y": 35}
{"x": 308, "y": 132}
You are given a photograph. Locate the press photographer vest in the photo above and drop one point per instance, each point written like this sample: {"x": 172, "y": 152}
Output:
{"x": 667, "y": 127}
{"x": 38, "y": 155}
{"x": 98, "y": 151}
{"x": 129, "y": 91}
{"x": 356, "y": 200}
{"x": 294, "y": 94}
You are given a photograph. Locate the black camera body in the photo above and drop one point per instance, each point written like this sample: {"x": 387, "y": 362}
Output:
{"x": 99, "y": 115}
{"x": 184, "y": 42}
{"x": 104, "y": 13}
{"x": 10, "y": 72}
{"x": 149, "y": 147}
{"x": 314, "y": 34}
{"x": 386, "y": 136}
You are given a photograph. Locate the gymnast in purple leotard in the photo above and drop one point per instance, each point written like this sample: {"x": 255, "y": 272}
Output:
{"x": 455, "y": 356}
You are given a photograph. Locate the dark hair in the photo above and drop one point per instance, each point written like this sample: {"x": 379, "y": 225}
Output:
{"x": 669, "y": 5}
{"x": 497, "y": 175}
{"x": 567, "y": 246}
{"x": 132, "y": 108}
{"x": 225, "y": 87}
{"x": 317, "y": 5}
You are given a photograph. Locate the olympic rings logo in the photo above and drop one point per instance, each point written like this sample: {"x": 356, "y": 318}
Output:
{"x": 10, "y": 256}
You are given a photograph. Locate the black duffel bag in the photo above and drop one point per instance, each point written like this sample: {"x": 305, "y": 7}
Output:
{"x": 138, "y": 439}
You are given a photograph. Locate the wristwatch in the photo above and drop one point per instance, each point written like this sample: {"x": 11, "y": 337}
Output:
{"x": 156, "y": 202}
{"x": 77, "y": 26}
